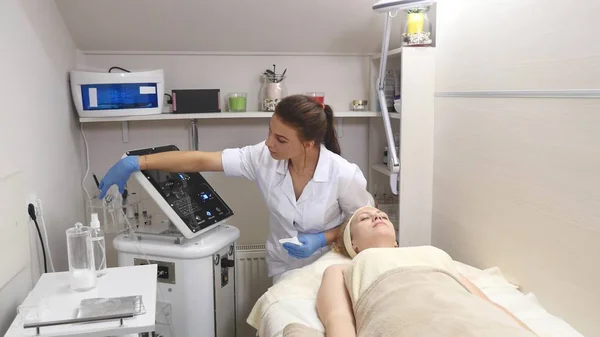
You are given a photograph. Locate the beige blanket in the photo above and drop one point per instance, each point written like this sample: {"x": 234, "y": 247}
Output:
{"x": 425, "y": 300}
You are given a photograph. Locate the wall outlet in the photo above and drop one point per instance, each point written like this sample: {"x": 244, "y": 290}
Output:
{"x": 31, "y": 199}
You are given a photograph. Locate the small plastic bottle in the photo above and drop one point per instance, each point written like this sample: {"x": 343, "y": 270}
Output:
{"x": 99, "y": 245}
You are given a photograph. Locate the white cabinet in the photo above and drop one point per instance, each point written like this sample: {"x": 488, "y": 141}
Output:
{"x": 415, "y": 124}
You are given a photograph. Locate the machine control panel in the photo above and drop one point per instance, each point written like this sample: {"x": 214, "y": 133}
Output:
{"x": 188, "y": 194}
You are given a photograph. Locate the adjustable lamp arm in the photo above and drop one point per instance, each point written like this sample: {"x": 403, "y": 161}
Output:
{"x": 388, "y": 6}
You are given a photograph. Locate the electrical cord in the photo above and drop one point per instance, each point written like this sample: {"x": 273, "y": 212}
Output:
{"x": 170, "y": 100}
{"x": 125, "y": 70}
{"x": 31, "y": 211}
{"x": 40, "y": 215}
{"x": 87, "y": 164}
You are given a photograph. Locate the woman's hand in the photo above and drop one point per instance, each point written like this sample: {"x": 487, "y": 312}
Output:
{"x": 119, "y": 174}
{"x": 310, "y": 244}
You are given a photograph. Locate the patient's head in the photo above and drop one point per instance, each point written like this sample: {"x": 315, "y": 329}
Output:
{"x": 368, "y": 227}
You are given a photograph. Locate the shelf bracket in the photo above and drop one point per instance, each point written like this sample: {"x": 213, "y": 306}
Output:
{"x": 193, "y": 135}
{"x": 125, "y": 128}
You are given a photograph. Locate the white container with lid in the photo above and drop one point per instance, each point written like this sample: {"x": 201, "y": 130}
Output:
{"x": 81, "y": 258}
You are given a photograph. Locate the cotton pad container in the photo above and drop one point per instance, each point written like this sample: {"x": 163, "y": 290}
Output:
{"x": 81, "y": 258}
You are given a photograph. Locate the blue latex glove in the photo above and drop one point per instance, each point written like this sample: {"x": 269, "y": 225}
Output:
{"x": 310, "y": 244}
{"x": 119, "y": 174}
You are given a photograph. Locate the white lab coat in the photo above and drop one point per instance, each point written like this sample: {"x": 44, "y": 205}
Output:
{"x": 337, "y": 189}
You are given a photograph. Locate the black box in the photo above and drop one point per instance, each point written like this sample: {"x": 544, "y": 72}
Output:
{"x": 196, "y": 100}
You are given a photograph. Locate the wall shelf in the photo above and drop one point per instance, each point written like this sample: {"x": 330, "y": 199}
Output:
{"x": 391, "y": 52}
{"x": 395, "y": 115}
{"x": 217, "y": 115}
{"x": 381, "y": 168}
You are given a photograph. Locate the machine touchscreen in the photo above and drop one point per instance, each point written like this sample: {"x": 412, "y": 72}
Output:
{"x": 186, "y": 198}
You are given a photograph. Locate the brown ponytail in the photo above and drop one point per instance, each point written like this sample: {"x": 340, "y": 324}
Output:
{"x": 312, "y": 120}
{"x": 331, "y": 140}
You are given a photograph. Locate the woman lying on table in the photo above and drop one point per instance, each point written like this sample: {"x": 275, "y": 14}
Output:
{"x": 390, "y": 291}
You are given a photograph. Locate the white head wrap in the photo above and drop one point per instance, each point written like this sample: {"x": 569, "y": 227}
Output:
{"x": 347, "y": 236}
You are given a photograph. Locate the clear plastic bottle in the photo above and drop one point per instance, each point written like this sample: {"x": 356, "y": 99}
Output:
{"x": 99, "y": 245}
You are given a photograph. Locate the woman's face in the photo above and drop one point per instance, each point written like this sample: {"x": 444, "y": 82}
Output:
{"x": 283, "y": 140}
{"x": 371, "y": 228}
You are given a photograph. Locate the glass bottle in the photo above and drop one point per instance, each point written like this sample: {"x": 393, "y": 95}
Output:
{"x": 418, "y": 28}
{"x": 272, "y": 92}
{"x": 82, "y": 271}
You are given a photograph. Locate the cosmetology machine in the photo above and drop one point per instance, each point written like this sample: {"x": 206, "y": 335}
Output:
{"x": 194, "y": 252}
{"x": 98, "y": 94}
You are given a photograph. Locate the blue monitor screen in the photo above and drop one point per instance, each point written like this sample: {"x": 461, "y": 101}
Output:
{"x": 119, "y": 96}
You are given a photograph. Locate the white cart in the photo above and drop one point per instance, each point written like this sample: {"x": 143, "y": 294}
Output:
{"x": 52, "y": 304}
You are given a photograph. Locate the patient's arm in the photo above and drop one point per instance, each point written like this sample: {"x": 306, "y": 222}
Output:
{"x": 476, "y": 291}
{"x": 333, "y": 304}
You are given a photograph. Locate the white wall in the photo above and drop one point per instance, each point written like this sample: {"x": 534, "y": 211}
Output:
{"x": 516, "y": 181}
{"x": 40, "y": 135}
{"x": 342, "y": 78}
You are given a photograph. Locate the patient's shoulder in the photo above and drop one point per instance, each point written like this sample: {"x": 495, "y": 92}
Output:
{"x": 335, "y": 270}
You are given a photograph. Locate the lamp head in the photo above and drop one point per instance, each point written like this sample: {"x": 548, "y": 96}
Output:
{"x": 393, "y": 5}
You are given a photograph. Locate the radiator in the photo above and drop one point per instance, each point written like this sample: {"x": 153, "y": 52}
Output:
{"x": 251, "y": 281}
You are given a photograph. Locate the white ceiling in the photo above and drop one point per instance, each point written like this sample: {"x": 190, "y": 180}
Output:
{"x": 307, "y": 26}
